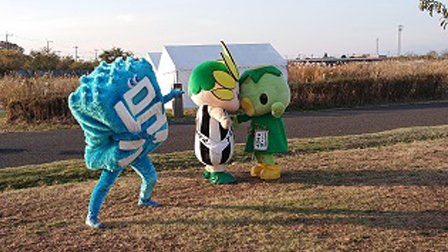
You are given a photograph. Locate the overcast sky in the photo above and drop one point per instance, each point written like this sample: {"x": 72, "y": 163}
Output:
{"x": 293, "y": 27}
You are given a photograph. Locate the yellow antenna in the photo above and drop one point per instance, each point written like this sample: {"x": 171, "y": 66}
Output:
{"x": 229, "y": 61}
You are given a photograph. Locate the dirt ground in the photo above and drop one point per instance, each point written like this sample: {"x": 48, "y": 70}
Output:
{"x": 375, "y": 199}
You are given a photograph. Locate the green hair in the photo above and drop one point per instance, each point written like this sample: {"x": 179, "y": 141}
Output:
{"x": 257, "y": 73}
{"x": 202, "y": 76}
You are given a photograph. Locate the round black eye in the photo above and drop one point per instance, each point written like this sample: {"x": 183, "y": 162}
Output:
{"x": 263, "y": 99}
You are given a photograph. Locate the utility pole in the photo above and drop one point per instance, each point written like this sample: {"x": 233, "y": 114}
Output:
{"x": 76, "y": 53}
{"x": 96, "y": 54}
{"x": 377, "y": 46}
{"x": 48, "y": 45}
{"x": 400, "y": 29}
{"x": 8, "y": 35}
{"x": 6, "y": 40}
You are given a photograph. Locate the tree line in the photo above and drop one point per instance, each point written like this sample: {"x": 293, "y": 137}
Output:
{"x": 13, "y": 57}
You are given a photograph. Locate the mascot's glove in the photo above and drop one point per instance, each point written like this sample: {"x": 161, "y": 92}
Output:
{"x": 278, "y": 109}
{"x": 173, "y": 93}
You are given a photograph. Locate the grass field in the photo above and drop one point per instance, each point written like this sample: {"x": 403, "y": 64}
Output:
{"x": 376, "y": 192}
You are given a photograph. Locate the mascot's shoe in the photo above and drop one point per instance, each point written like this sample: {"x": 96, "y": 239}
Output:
{"x": 256, "y": 170}
{"x": 220, "y": 178}
{"x": 206, "y": 175}
{"x": 148, "y": 202}
{"x": 270, "y": 172}
{"x": 92, "y": 221}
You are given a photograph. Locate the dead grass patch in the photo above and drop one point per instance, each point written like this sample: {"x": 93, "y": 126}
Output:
{"x": 355, "y": 84}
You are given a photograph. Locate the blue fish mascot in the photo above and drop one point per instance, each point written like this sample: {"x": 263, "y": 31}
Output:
{"x": 121, "y": 109}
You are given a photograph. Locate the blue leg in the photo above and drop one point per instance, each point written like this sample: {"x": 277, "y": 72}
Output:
{"x": 147, "y": 172}
{"x": 100, "y": 192}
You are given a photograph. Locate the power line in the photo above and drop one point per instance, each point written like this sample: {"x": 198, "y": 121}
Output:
{"x": 28, "y": 39}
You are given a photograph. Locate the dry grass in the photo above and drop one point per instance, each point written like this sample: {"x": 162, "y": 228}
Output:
{"x": 391, "y": 198}
{"x": 41, "y": 103}
{"x": 389, "y": 69}
{"x": 45, "y": 98}
{"x": 33, "y": 100}
{"x": 368, "y": 83}
{"x": 19, "y": 88}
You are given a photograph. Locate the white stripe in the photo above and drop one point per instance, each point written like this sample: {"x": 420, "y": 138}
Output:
{"x": 155, "y": 109}
{"x": 127, "y": 118}
{"x": 197, "y": 148}
{"x": 160, "y": 120}
{"x": 215, "y": 135}
{"x": 161, "y": 136}
{"x": 197, "y": 142}
{"x": 128, "y": 160}
{"x": 130, "y": 95}
{"x": 130, "y": 145}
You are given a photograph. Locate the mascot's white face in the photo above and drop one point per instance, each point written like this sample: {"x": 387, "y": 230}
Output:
{"x": 227, "y": 100}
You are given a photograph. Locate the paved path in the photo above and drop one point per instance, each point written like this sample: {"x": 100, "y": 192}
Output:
{"x": 18, "y": 149}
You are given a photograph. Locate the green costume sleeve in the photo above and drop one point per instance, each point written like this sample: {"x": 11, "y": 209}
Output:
{"x": 243, "y": 118}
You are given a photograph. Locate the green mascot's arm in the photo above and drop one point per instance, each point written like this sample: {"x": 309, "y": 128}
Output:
{"x": 242, "y": 118}
{"x": 278, "y": 109}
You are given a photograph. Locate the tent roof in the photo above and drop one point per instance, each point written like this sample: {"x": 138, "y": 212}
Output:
{"x": 189, "y": 56}
{"x": 154, "y": 58}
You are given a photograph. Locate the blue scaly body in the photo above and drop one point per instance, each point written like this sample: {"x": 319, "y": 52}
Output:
{"x": 120, "y": 108}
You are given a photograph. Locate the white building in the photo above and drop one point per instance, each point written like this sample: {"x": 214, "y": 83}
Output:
{"x": 175, "y": 63}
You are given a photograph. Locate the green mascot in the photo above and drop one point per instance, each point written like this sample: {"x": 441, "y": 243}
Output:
{"x": 214, "y": 88}
{"x": 264, "y": 95}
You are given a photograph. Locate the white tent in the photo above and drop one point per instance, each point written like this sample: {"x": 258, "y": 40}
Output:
{"x": 154, "y": 59}
{"x": 175, "y": 63}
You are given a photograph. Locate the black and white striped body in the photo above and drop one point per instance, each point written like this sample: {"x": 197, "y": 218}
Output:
{"x": 214, "y": 145}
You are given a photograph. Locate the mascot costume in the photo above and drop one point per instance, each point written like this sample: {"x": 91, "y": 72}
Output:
{"x": 265, "y": 94}
{"x": 120, "y": 108}
{"x": 213, "y": 87}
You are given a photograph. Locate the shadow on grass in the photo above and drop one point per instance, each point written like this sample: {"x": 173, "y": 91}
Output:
{"x": 368, "y": 178}
{"x": 340, "y": 178}
{"x": 422, "y": 222}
